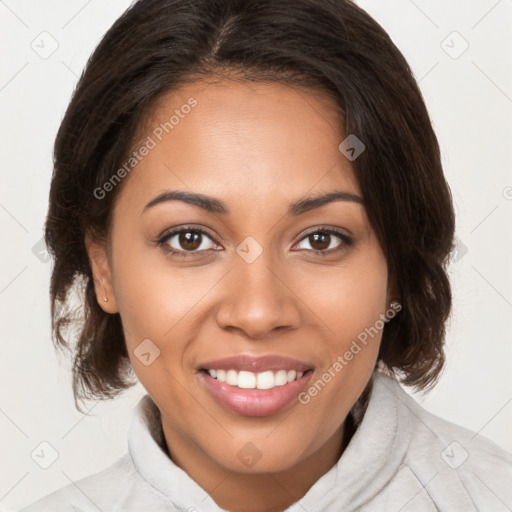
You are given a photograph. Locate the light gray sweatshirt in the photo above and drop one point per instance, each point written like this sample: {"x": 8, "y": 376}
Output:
{"x": 400, "y": 459}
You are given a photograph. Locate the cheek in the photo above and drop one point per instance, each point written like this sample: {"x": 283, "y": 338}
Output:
{"x": 351, "y": 306}
{"x": 160, "y": 301}
{"x": 150, "y": 297}
{"x": 350, "y": 299}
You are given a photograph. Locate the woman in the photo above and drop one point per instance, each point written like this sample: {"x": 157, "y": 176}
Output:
{"x": 252, "y": 196}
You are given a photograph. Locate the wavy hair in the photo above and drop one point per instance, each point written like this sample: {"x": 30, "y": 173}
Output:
{"x": 331, "y": 45}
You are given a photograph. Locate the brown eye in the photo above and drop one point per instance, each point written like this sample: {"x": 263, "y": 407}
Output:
{"x": 323, "y": 241}
{"x": 320, "y": 241}
{"x": 189, "y": 240}
{"x": 186, "y": 240}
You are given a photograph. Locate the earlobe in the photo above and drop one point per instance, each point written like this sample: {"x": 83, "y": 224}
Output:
{"x": 102, "y": 275}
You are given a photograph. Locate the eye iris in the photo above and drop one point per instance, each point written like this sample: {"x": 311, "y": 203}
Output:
{"x": 190, "y": 240}
{"x": 320, "y": 241}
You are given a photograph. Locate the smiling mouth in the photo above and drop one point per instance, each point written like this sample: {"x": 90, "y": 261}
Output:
{"x": 267, "y": 399}
{"x": 255, "y": 386}
{"x": 251, "y": 380}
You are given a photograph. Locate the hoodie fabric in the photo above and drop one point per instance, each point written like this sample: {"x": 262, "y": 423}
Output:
{"x": 401, "y": 458}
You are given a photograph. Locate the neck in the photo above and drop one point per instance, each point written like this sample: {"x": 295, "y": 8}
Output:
{"x": 258, "y": 492}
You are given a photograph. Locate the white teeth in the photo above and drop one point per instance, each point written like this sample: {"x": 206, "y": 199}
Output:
{"x": 266, "y": 380}
{"x": 246, "y": 380}
{"x": 232, "y": 377}
{"x": 281, "y": 379}
{"x": 251, "y": 380}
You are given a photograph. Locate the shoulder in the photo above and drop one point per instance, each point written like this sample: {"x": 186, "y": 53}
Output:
{"x": 449, "y": 459}
{"x": 100, "y": 491}
{"x": 456, "y": 443}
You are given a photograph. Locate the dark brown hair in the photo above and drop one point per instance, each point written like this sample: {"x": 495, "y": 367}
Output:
{"x": 158, "y": 45}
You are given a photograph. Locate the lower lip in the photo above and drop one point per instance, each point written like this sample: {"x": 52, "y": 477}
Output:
{"x": 255, "y": 402}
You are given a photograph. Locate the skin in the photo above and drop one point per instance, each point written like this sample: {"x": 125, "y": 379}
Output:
{"x": 257, "y": 147}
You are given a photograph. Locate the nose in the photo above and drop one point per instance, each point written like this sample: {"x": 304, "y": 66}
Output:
{"x": 258, "y": 300}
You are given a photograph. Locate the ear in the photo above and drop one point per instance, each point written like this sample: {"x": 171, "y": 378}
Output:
{"x": 102, "y": 273}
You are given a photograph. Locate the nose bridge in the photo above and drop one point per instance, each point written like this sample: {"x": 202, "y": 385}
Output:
{"x": 257, "y": 301}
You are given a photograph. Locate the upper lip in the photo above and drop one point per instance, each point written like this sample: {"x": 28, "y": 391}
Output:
{"x": 245, "y": 362}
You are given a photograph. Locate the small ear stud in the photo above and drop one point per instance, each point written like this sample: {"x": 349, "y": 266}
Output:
{"x": 105, "y": 299}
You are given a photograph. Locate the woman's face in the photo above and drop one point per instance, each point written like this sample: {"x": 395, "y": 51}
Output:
{"x": 260, "y": 273}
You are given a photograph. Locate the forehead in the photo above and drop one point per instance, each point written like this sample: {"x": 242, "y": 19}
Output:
{"x": 252, "y": 139}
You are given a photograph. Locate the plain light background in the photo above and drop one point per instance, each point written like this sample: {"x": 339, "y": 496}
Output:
{"x": 459, "y": 52}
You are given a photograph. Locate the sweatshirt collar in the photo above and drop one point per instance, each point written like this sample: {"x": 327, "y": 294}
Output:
{"x": 367, "y": 464}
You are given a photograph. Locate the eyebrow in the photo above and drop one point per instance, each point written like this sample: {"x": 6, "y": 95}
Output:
{"x": 214, "y": 205}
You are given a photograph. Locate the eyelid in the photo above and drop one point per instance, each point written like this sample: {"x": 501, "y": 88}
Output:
{"x": 327, "y": 229}
{"x": 169, "y": 233}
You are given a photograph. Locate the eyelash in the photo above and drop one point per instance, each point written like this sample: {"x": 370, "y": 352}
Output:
{"x": 161, "y": 242}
